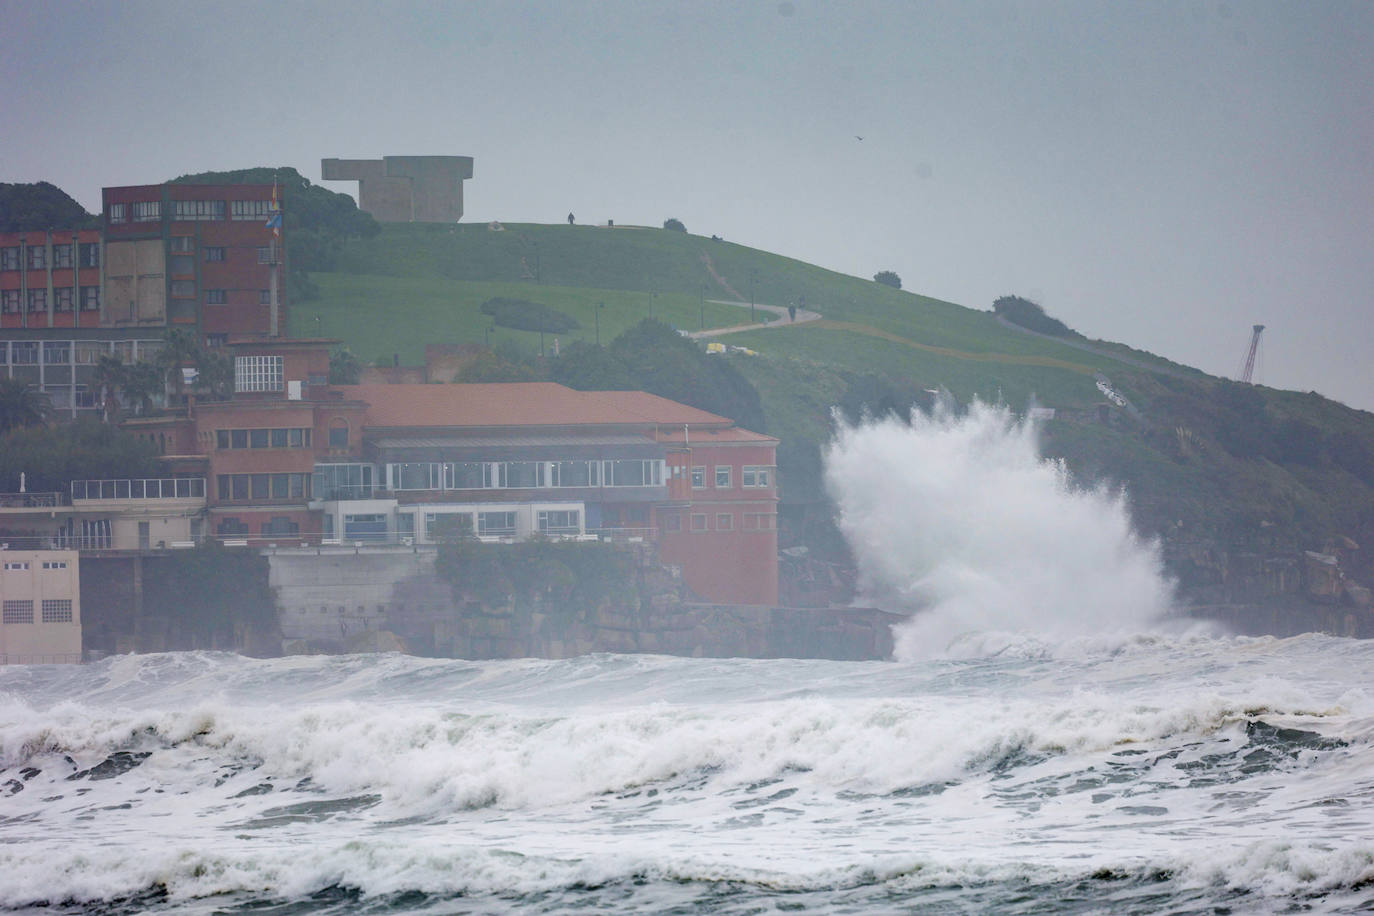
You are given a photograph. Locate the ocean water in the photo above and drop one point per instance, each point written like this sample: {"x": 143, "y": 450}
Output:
{"x": 1045, "y": 742}
{"x": 1150, "y": 775}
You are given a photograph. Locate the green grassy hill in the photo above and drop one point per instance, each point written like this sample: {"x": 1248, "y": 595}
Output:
{"x": 1241, "y": 468}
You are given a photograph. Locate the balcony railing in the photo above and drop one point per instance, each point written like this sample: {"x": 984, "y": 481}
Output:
{"x": 30, "y": 500}
{"x": 140, "y": 488}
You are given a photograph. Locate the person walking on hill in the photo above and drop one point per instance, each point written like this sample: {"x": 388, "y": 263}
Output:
{"x": 792, "y": 312}
{"x": 570, "y": 219}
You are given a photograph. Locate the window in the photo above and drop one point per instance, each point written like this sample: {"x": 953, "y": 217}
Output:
{"x": 119, "y": 213}
{"x": 214, "y": 253}
{"x": 63, "y": 299}
{"x": 280, "y": 526}
{"x": 264, "y": 297}
{"x": 57, "y": 352}
{"x": 754, "y": 476}
{"x": 761, "y": 521}
{"x": 495, "y": 524}
{"x": 238, "y": 438}
{"x": 147, "y": 211}
{"x": 9, "y": 258}
{"x": 17, "y": 564}
{"x": 277, "y": 437}
{"x": 260, "y": 373}
{"x": 184, "y": 289}
{"x": 249, "y": 209}
{"x": 343, "y": 481}
{"x": 38, "y": 257}
{"x": 723, "y": 476}
{"x": 338, "y": 434}
{"x": 698, "y": 478}
{"x": 574, "y": 473}
{"x": 371, "y": 527}
{"x": 405, "y": 524}
{"x": 198, "y": 209}
{"x": 632, "y": 473}
{"x": 524, "y": 474}
{"x": 181, "y": 244}
{"x": 38, "y": 300}
{"x": 725, "y": 521}
{"x": 57, "y": 610}
{"x": 62, "y": 256}
{"x": 90, "y": 298}
{"x": 260, "y": 485}
{"x": 257, "y": 438}
{"x": 231, "y": 526}
{"x": 560, "y": 521}
{"x": 10, "y": 301}
{"x": 18, "y": 611}
{"x": 90, "y": 254}
{"x": 699, "y": 522}
{"x": 24, "y": 352}
{"x": 215, "y": 297}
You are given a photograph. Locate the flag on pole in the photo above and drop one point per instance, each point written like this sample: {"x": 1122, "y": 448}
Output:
{"x": 274, "y": 214}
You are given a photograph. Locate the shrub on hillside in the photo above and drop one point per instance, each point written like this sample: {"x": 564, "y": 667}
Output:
{"x": 528, "y": 316}
{"x": 888, "y": 278}
{"x": 674, "y": 224}
{"x": 1030, "y": 316}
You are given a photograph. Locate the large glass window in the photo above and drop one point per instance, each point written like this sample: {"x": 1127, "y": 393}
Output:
{"x": 343, "y": 481}
{"x": 260, "y": 373}
{"x": 754, "y": 476}
{"x": 198, "y": 209}
{"x": 574, "y": 473}
{"x": 369, "y": 527}
{"x": 496, "y": 524}
{"x": 38, "y": 257}
{"x": 11, "y": 301}
{"x": 723, "y": 476}
{"x": 632, "y": 473}
{"x": 90, "y": 254}
{"x": 9, "y": 257}
{"x": 119, "y": 213}
{"x": 245, "y": 210}
{"x": 560, "y": 521}
{"x": 90, "y": 298}
{"x": 524, "y": 474}
{"x": 463, "y": 475}
{"x": 147, "y": 211}
{"x": 62, "y": 255}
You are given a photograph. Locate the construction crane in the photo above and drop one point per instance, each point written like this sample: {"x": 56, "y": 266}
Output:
{"x": 1248, "y": 373}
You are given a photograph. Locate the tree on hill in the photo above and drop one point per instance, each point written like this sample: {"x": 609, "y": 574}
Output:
{"x": 674, "y": 224}
{"x": 1030, "y": 316}
{"x": 21, "y": 404}
{"x": 38, "y": 206}
{"x": 661, "y": 361}
{"x": 317, "y": 220}
{"x": 52, "y": 457}
{"x": 888, "y": 278}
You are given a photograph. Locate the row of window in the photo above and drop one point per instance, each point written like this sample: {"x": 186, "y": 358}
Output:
{"x": 245, "y": 487}
{"x": 278, "y": 526}
{"x": 751, "y": 476}
{"x": 36, "y": 256}
{"x": 183, "y": 246}
{"x": 503, "y": 475}
{"x": 725, "y": 521}
{"x": 258, "y": 373}
{"x": 221, "y": 296}
{"x": 286, "y": 437}
{"x": 144, "y": 211}
{"x": 53, "y": 610}
{"x": 60, "y": 352}
{"x": 64, "y": 299}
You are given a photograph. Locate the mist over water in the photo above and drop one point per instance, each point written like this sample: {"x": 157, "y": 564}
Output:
{"x": 960, "y": 521}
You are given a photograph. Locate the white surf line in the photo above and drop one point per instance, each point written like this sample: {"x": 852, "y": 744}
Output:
{"x": 803, "y": 315}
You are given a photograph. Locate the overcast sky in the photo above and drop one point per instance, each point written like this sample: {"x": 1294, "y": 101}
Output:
{"x": 1163, "y": 174}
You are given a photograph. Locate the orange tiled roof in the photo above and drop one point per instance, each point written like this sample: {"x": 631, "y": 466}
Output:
{"x": 515, "y": 404}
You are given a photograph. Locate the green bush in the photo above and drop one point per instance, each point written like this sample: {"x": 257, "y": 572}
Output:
{"x": 888, "y": 278}
{"x": 1030, "y": 316}
{"x": 523, "y": 315}
{"x": 674, "y": 224}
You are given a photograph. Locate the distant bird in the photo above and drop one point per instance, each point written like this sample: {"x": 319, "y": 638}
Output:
{"x": 857, "y": 137}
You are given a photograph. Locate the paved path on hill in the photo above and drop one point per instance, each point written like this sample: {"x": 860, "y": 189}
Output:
{"x": 803, "y": 315}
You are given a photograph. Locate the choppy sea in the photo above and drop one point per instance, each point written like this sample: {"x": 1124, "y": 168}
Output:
{"x": 1144, "y": 774}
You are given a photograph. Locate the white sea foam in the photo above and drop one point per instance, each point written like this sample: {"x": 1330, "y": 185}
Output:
{"x": 958, "y": 520}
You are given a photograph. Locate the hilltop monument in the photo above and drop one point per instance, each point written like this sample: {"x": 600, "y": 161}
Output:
{"x": 405, "y": 189}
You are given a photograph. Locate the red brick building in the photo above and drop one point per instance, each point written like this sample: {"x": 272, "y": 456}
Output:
{"x": 196, "y": 256}
{"x": 291, "y": 460}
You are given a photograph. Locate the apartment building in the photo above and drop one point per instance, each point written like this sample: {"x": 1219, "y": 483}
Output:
{"x": 202, "y": 257}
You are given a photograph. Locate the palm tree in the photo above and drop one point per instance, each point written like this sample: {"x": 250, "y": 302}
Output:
{"x": 143, "y": 381}
{"x": 21, "y": 404}
{"x": 178, "y": 350}
{"x": 108, "y": 378}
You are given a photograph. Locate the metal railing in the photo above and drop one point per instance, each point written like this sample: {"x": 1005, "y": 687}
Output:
{"x": 30, "y": 500}
{"x": 140, "y": 488}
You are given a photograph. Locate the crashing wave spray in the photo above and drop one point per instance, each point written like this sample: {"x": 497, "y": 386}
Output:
{"x": 959, "y": 521}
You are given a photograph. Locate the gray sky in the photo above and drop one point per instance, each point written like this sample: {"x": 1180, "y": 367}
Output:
{"x": 1163, "y": 174}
